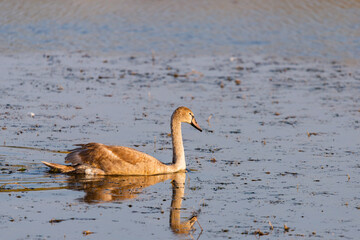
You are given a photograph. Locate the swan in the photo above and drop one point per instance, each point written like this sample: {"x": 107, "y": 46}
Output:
{"x": 100, "y": 159}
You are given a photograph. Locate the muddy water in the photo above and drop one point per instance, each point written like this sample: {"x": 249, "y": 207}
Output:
{"x": 280, "y": 144}
{"x": 326, "y": 29}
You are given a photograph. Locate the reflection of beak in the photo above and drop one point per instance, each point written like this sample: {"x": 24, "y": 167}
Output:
{"x": 195, "y": 125}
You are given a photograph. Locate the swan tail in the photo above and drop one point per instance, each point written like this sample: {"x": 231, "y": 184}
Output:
{"x": 59, "y": 168}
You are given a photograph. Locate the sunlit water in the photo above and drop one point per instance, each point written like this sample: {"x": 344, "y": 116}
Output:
{"x": 281, "y": 146}
{"x": 266, "y": 81}
{"x": 324, "y": 29}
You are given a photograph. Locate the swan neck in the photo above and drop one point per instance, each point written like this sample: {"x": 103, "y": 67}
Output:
{"x": 178, "y": 147}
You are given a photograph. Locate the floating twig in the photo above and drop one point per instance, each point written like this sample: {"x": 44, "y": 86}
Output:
{"x": 86, "y": 232}
{"x": 260, "y": 233}
{"x": 286, "y": 228}
{"x": 208, "y": 120}
{"x": 36, "y": 149}
{"x": 311, "y": 133}
{"x": 271, "y": 226}
{"x": 2, "y": 186}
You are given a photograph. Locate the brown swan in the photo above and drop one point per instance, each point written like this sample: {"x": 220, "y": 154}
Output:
{"x": 100, "y": 159}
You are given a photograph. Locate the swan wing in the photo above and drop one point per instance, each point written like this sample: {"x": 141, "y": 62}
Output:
{"x": 98, "y": 155}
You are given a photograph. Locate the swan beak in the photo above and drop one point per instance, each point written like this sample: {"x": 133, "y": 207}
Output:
{"x": 195, "y": 125}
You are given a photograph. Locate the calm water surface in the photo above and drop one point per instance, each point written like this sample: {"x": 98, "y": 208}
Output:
{"x": 280, "y": 146}
{"x": 326, "y": 29}
{"x": 268, "y": 82}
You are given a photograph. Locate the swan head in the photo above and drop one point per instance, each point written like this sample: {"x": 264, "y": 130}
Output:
{"x": 184, "y": 114}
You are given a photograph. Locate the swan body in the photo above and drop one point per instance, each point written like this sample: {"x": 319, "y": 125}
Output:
{"x": 100, "y": 159}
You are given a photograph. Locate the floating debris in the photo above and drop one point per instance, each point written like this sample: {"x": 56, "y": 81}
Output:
{"x": 311, "y": 133}
{"x": 286, "y": 228}
{"x": 260, "y": 233}
{"x": 271, "y": 226}
{"x": 52, "y": 221}
{"x": 288, "y": 173}
{"x": 87, "y": 232}
{"x": 208, "y": 120}
{"x": 256, "y": 180}
{"x": 37, "y": 149}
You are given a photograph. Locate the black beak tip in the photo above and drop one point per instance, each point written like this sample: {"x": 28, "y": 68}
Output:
{"x": 195, "y": 125}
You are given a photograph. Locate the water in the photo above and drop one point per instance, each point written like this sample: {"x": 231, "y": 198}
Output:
{"x": 322, "y": 29}
{"x": 274, "y": 86}
{"x": 281, "y": 145}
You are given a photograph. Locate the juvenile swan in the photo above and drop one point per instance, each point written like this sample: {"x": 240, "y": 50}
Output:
{"x": 99, "y": 159}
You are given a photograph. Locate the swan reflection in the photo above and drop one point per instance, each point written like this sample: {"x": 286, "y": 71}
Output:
{"x": 178, "y": 189}
{"x": 103, "y": 189}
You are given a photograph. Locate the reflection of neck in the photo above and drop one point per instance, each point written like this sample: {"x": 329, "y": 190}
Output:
{"x": 177, "y": 197}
